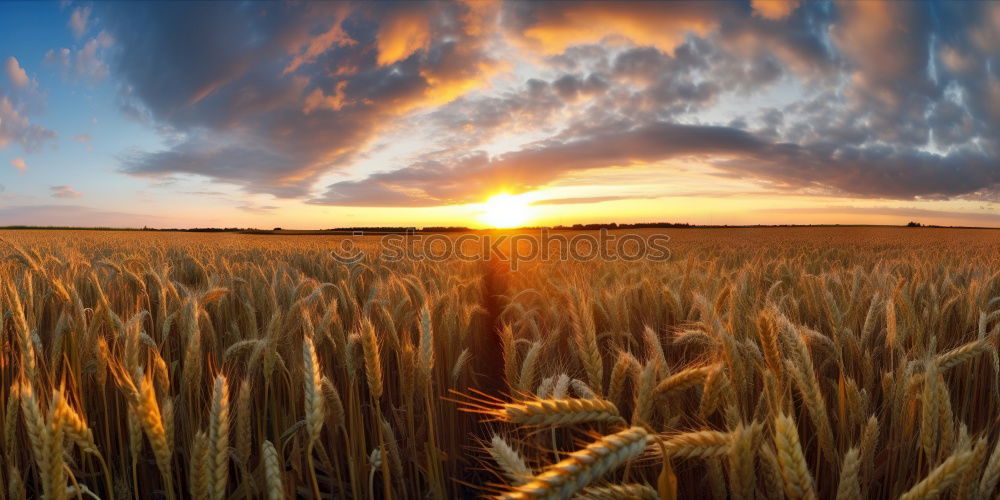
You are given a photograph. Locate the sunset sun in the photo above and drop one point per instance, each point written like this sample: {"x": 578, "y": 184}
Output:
{"x": 506, "y": 211}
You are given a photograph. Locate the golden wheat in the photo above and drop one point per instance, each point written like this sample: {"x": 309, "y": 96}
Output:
{"x": 812, "y": 363}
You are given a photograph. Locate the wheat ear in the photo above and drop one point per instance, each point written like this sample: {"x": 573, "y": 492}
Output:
{"x": 682, "y": 380}
{"x": 941, "y": 477}
{"x": 272, "y": 472}
{"x": 619, "y": 492}
{"x": 510, "y": 461}
{"x": 991, "y": 474}
{"x": 148, "y": 412}
{"x": 581, "y": 467}
{"x": 559, "y": 411}
{"x": 314, "y": 406}
{"x": 794, "y": 471}
{"x": 849, "y": 487}
{"x": 219, "y": 438}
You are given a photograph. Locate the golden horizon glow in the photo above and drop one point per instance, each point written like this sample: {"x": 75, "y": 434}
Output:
{"x": 506, "y": 211}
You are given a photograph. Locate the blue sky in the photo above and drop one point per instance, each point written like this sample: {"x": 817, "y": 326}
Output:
{"x": 335, "y": 114}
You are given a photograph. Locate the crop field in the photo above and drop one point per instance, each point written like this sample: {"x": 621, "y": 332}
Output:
{"x": 754, "y": 363}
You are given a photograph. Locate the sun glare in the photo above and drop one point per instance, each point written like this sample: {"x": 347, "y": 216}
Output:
{"x": 506, "y": 211}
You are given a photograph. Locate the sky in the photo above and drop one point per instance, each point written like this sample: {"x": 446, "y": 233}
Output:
{"x": 478, "y": 113}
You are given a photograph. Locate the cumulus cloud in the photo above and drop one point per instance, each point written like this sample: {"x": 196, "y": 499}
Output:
{"x": 88, "y": 63}
{"x": 64, "y": 192}
{"x": 887, "y": 44}
{"x": 16, "y": 128}
{"x": 19, "y": 164}
{"x": 15, "y": 73}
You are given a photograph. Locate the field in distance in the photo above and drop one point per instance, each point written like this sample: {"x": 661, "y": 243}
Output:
{"x": 824, "y": 362}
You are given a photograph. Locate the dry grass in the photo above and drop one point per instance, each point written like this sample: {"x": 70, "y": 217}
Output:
{"x": 805, "y": 363}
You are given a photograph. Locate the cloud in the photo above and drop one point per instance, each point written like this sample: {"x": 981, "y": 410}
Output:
{"x": 79, "y": 20}
{"x": 773, "y": 9}
{"x": 887, "y": 100}
{"x": 15, "y": 73}
{"x": 64, "y": 192}
{"x": 873, "y": 172}
{"x": 19, "y": 164}
{"x": 876, "y": 172}
{"x": 471, "y": 177}
{"x": 82, "y": 138}
{"x": 89, "y": 63}
{"x": 79, "y": 216}
{"x": 552, "y": 27}
{"x": 582, "y": 200}
{"x": 16, "y": 128}
{"x": 259, "y": 105}
{"x": 887, "y": 44}
{"x": 403, "y": 32}
{"x": 258, "y": 209}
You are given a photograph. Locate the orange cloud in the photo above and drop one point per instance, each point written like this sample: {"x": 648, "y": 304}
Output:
{"x": 774, "y": 9}
{"x": 19, "y": 164}
{"x": 334, "y": 36}
{"x": 318, "y": 100}
{"x": 480, "y": 16}
{"x": 556, "y": 26}
{"x": 401, "y": 34}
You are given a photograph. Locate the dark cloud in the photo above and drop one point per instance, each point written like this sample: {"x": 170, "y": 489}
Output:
{"x": 470, "y": 177}
{"x": 258, "y": 103}
{"x": 822, "y": 167}
{"x": 876, "y": 172}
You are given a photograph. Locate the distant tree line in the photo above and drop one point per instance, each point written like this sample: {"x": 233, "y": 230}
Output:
{"x": 614, "y": 225}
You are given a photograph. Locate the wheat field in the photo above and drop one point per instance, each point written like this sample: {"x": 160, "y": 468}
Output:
{"x": 756, "y": 363}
